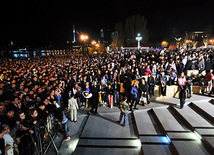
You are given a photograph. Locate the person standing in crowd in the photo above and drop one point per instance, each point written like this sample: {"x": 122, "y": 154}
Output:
{"x": 143, "y": 90}
{"x": 209, "y": 78}
{"x": 116, "y": 89}
{"x": 63, "y": 120}
{"x": 151, "y": 83}
{"x": 123, "y": 111}
{"x": 72, "y": 108}
{"x": 162, "y": 81}
{"x": 103, "y": 92}
{"x": 110, "y": 93}
{"x": 128, "y": 87}
{"x": 182, "y": 81}
{"x": 24, "y": 133}
{"x": 134, "y": 93}
{"x": 201, "y": 65}
{"x": 9, "y": 141}
{"x": 87, "y": 89}
{"x": 95, "y": 98}
{"x": 3, "y": 149}
{"x": 182, "y": 97}
{"x": 172, "y": 78}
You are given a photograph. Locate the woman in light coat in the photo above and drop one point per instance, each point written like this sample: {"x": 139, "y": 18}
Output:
{"x": 73, "y": 107}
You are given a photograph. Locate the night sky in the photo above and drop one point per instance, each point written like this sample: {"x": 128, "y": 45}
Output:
{"x": 42, "y": 21}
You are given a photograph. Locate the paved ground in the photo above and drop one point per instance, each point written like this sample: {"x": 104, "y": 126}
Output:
{"x": 102, "y": 134}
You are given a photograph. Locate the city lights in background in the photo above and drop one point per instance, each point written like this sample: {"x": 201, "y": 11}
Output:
{"x": 164, "y": 44}
{"x": 138, "y": 38}
{"x": 211, "y": 41}
{"x": 84, "y": 37}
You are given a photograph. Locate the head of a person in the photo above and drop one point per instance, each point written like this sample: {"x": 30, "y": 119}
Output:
{"x": 15, "y": 100}
{"x": 6, "y": 128}
{"x": 136, "y": 83}
{"x": 20, "y": 116}
{"x": 94, "y": 83}
{"x": 33, "y": 113}
{"x": 52, "y": 92}
{"x": 2, "y": 108}
{"x": 162, "y": 73}
{"x": 182, "y": 74}
{"x": 10, "y": 112}
{"x": 41, "y": 106}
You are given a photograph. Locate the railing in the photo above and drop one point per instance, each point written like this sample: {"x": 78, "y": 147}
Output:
{"x": 39, "y": 142}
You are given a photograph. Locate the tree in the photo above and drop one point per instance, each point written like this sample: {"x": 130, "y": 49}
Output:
{"x": 127, "y": 31}
{"x": 98, "y": 48}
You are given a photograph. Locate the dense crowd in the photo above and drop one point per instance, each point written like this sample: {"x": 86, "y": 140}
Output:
{"x": 31, "y": 89}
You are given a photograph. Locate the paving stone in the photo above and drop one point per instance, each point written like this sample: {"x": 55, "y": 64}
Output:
{"x": 167, "y": 120}
{"x": 107, "y": 151}
{"x": 182, "y": 135}
{"x": 205, "y": 132}
{"x": 156, "y": 150}
{"x": 189, "y": 148}
{"x": 106, "y": 126}
{"x": 144, "y": 123}
{"x": 194, "y": 119}
{"x": 206, "y": 107}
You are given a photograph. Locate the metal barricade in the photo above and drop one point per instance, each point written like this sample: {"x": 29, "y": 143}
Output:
{"x": 39, "y": 142}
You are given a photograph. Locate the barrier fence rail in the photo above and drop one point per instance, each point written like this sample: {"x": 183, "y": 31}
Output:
{"x": 39, "y": 142}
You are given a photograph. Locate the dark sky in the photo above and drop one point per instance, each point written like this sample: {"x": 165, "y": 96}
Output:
{"x": 37, "y": 22}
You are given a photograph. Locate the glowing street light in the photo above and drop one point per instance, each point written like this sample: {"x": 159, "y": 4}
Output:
{"x": 84, "y": 38}
{"x": 139, "y": 38}
{"x": 93, "y": 42}
{"x": 164, "y": 44}
{"x": 211, "y": 41}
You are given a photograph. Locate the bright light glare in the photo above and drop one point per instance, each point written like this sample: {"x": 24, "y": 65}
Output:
{"x": 197, "y": 135}
{"x": 164, "y": 139}
{"x": 73, "y": 144}
{"x": 168, "y": 138}
{"x": 83, "y": 37}
{"x": 137, "y": 143}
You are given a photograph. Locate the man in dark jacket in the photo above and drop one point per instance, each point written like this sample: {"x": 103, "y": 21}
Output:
{"x": 95, "y": 98}
{"x": 151, "y": 83}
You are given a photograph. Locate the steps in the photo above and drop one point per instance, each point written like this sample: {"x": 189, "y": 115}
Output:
{"x": 177, "y": 131}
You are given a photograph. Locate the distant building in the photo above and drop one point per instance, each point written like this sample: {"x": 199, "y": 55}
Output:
{"x": 105, "y": 37}
{"x": 74, "y": 37}
{"x": 197, "y": 36}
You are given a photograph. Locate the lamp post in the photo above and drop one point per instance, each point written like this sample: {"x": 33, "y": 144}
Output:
{"x": 84, "y": 38}
{"x": 138, "y": 38}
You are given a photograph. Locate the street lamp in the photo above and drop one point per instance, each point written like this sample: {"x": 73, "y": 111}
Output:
{"x": 138, "y": 38}
{"x": 84, "y": 38}
{"x": 164, "y": 44}
{"x": 93, "y": 42}
{"x": 211, "y": 41}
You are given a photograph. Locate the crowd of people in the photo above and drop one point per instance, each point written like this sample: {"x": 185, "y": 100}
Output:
{"x": 31, "y": 89}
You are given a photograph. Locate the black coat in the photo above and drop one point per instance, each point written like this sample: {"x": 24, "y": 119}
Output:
{"x": 151, "y": 81}
{"x": 143, "y": 87}
{"x": 95, "y": 94}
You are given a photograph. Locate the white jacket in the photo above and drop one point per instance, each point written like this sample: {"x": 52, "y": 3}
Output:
{"x": 8, "y": 140}
{"x": 72, "y": 104}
